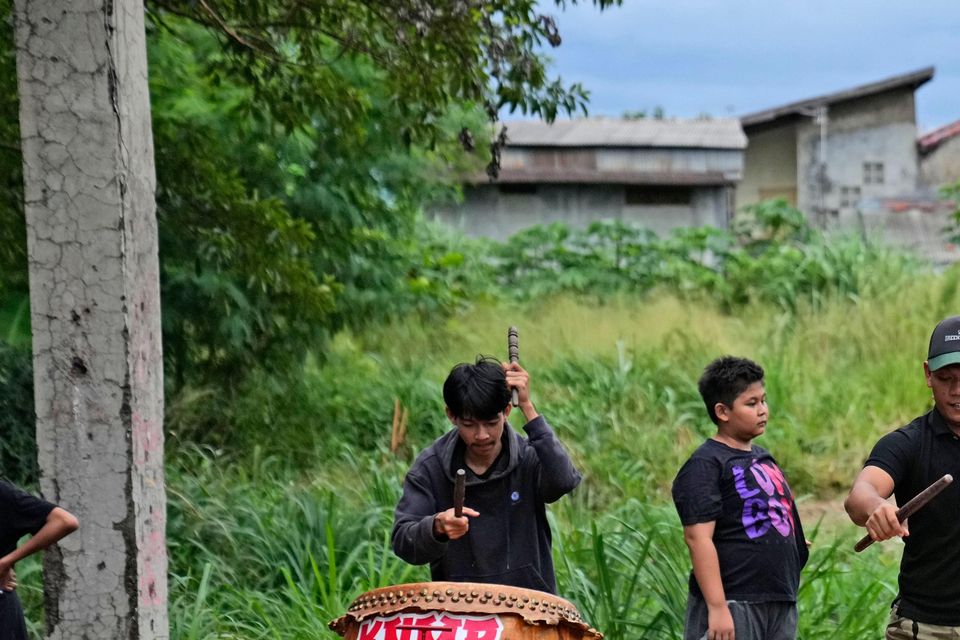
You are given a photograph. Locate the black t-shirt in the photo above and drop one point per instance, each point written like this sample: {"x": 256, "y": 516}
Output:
{"x": 20, "y": 514}
{"x": 758, "y": 536}
{"x": 916, "y": 456}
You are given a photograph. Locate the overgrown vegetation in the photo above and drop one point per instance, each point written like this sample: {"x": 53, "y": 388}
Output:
{"x": 620, "y": 389}
{"x": 273, "y": 535}
{"x": 305, "y": 300}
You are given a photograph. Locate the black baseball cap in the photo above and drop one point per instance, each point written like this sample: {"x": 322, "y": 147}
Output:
{"x": 944, "y": 344}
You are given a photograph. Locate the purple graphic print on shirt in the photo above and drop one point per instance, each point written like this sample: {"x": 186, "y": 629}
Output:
{"x": 767, "y": 501}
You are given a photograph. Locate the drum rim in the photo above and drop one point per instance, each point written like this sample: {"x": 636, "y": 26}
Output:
{"x": 532, "y": 606}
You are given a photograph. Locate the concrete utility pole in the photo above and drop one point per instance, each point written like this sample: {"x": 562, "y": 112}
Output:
{"x": 95, "y": 307}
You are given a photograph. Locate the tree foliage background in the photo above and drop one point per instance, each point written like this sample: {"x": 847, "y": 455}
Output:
{"x": 297, "y": 144}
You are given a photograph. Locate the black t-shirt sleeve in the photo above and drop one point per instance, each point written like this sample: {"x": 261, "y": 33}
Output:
{"x": 22, "y": 512}
{"x": 893, "y": 453}
{"x": 696, "y": 491}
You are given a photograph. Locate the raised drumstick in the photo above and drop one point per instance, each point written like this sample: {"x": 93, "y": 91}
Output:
{"x": 513, "y": 348}
{"x": 913, "y": 505}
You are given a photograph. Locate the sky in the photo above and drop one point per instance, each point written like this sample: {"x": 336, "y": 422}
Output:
{"x": 731, "y": 57}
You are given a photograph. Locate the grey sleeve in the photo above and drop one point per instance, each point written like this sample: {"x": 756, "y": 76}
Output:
{"x": 558, "y": 476}
{"x": 413, "y": 538}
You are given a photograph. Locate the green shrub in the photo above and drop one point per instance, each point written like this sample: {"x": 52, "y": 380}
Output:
{"x": 770, "y": 255}
{"x": 18, "y": 446}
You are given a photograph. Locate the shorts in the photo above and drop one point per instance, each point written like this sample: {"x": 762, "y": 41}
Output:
{"x": 751, "y": 620}
{"x": 12, "y": 624}
{"x": 901, "y": 628}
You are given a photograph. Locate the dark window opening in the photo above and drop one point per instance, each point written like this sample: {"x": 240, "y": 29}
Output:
{"x": 518, "y": 189}
{"x": 657, "y": 195}
{"x": 873, "y": 173}
{"x": 849, "y": 196}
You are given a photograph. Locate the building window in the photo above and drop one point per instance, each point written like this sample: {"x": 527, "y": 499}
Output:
{"x": 657, "y": 195}
{"x": 518, "y": 189}
{"x": 872, "y": 173}
{"x": 849, "y": 196}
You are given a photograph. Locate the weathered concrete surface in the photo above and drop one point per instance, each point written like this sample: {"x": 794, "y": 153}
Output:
{"x": 941, "y": 166}
{"x": 95, "y": 307}
{"x": 491, "y": 212}
{"x": 769, "y": 166}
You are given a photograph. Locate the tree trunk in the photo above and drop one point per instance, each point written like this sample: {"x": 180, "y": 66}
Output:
{"x": 95, "y": 307}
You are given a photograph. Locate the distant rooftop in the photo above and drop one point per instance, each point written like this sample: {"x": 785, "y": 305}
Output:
{"x": 722, "y": 133}
{"x": 930, "y": 141}
{"x": 912, "y": 80}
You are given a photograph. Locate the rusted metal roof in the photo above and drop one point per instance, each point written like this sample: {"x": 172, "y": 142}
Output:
{"x": 930, "y": 141}
{"x": 556, "y": 176}
{"x": 912, "y": 80}
{"x": 721, "y": 133}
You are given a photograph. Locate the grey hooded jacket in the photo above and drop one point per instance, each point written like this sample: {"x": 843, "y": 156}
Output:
{"x": 509, "y": 542}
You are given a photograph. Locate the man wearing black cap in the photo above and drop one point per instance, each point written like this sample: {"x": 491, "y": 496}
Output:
{"x": 903, "y": 463}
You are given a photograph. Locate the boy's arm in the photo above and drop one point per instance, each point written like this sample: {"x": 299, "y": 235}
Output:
{"x": 867, "y": 504}
{"x": 706, "y": 570}
{"x": 60, "y": 522}
{"x": 558, "y": 476}
{"x": 415, "y": 537}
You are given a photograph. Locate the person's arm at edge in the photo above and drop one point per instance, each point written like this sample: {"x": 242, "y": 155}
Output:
{"x": 868, "y": 507}
{"x": 59, "y": 523}
{"x": 706, "y": 570}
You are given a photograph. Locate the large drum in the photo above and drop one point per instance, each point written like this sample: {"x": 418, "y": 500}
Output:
{"x": 461, "y": 611}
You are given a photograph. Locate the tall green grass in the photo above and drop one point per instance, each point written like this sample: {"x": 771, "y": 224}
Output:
{"x": 280, "y": 512}
{"x": 618, "y": 380}
{"x": 273, "y": 537}
{"x": 267, "y": 552}
{"x": 261, "y": 550}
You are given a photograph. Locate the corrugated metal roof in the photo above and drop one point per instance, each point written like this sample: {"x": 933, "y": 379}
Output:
{"x": 556, "y": 176}
{"x": 724, "y": 133}
{"x": 912, "y": 79}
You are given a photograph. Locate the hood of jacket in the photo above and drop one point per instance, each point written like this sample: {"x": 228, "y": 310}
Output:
{"x": 447, "y": 445}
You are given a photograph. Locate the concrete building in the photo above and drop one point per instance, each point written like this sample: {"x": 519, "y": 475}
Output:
{"x": 852, "y": 160}
{"x": 828, "y": 154}
{"x": 658, "y": 173}
{"x": 940, "y": 156}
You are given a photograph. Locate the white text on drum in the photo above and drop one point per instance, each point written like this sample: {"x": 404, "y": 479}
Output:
{"x": 431, "y": 626}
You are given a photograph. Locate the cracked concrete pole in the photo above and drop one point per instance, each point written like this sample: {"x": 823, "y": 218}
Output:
{"x": 95, "y": 306}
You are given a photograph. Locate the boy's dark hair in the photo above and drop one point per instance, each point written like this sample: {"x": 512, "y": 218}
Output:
{"x": 477, "y": 391}
{"x": 726, "y": 378}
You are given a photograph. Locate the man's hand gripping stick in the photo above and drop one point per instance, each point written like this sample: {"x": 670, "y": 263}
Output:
{"x": 912, "y": 506}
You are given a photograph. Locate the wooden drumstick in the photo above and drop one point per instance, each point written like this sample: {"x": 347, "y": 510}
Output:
{"x": 913, "y": 505}
{"x": 459, "y": 490}
{"x": 513, "y": 348}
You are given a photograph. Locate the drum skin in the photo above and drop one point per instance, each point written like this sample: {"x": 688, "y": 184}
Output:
{"x": 461, "y": 611}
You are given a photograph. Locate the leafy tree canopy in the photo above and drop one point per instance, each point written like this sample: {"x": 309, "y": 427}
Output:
{"x": 430, "y": 53}
{"x": 296, "y": 145}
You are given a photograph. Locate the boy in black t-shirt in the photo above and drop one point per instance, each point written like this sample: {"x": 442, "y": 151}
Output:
{"x": 739, "y": 519}
{"x": 22, "y": 514}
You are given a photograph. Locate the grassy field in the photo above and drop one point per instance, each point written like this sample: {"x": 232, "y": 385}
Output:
{"x": 276, "y": 540}
{"x": 280, "y": 509}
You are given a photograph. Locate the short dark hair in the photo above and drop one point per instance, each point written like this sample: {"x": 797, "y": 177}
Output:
{"x": 726, "y": 378}
{"x": 477, "y": 391}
